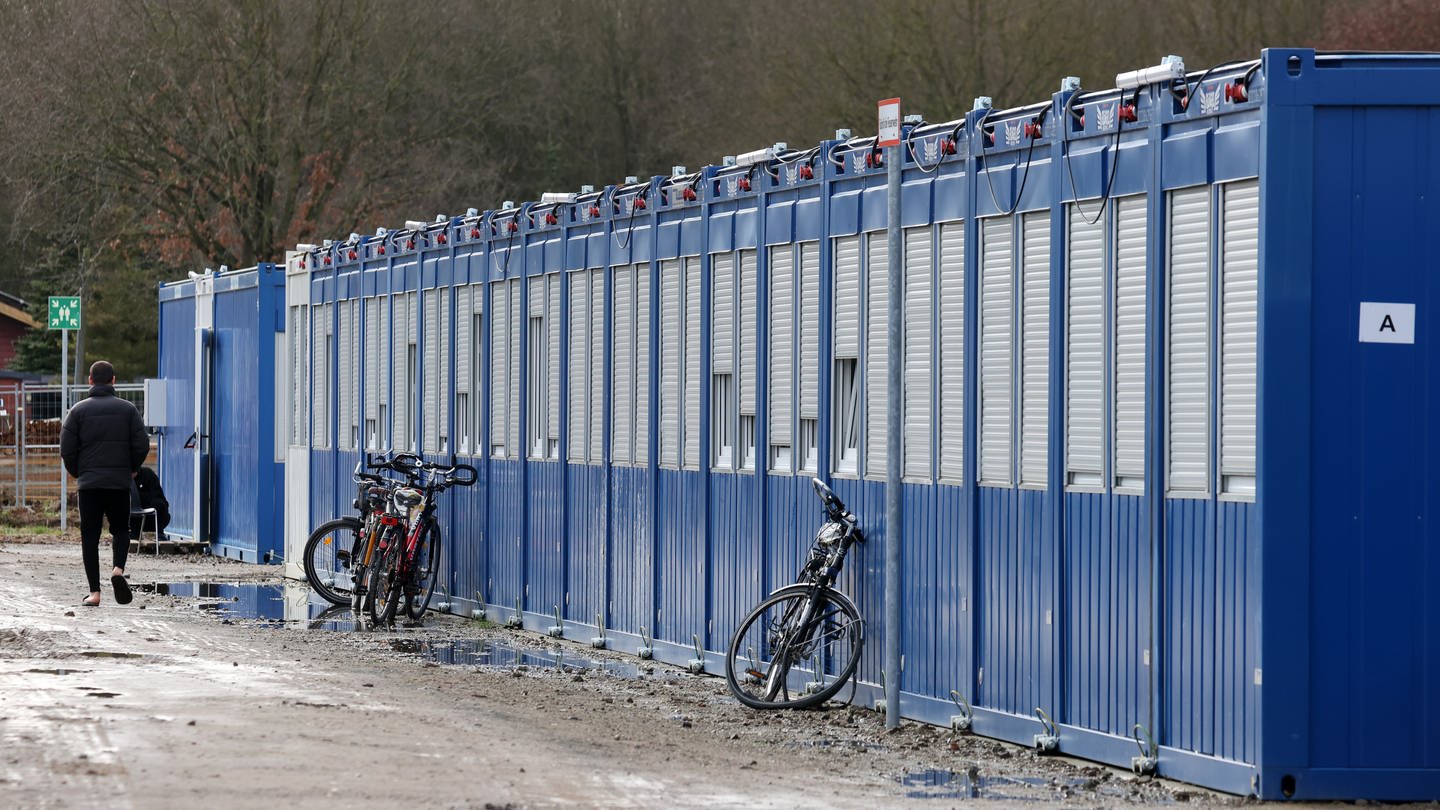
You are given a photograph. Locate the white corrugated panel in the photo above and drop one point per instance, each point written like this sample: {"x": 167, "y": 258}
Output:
{"x": 535, "y": 367}
{"x": 373, "y": 365}
{"x": 690, "y": 436}
{"x": 746, "y": 351}
{"x": 596, "y": 359}
{"x": 499, "y": 366}
{"x": 672, "y": 344}
{"x": 847, "y": 297}
{"x": 430, "y": 385}
{"x": 320, "y": 377}
{"x": 515, "y": 324}
{"x": 809, "y": 349}
{"x": 782, "y": 346}
{"x": 343, "y": 355}
{"x": 952, "y": 351}
{"x": 1239, "y": 313}
{"x": 642, "y": 364}
{"x": 877, "y": 373}
{"x": 400, "y": 367}
{"x": 919, "y": 326}
{"x": 1130, "y": 326}
{"x": 446, "y": 372}
{"x": 1188, "y": 386}
{"x": 1085, "y": 352}
{"x": 996, "y": 349}
{"x": 722, "y": 302}
{"x": 552, "y": 364}
{"x": 579, "y": 380}
{"x": 622, "y": 440}
{"x": 464, "y": 335}
{"x": 352, "y": 374}
{"x": 1035, "y": 356}
{"x": 299, "y": 375}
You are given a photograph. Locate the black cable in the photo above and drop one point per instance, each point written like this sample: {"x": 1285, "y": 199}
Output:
{"x": 629, "y": 223}
{"x": 1024, "y": 177}
{"x": 1114, "y": 162}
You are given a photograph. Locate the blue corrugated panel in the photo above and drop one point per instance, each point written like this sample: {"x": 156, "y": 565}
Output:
{"x": 632, "y": 550}
{"x": 951, "y": 646}
{"x": 177, "y": 367}
{"x": 545, "y": 556}
{"x": 736, "y": 552}
{"x": 587, "y": 532}
{"x": 466, "y": 540}
{"x": 237, "y": 447}
{"x": 921, "y": 609}
{"x": 680, "y": 563}
{"x": 505, "y": 551}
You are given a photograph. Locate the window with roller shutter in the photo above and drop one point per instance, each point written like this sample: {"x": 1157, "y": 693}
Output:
{"x": 846, "y": 379}
{"x": 299, "y": 341}
{"x": 722, "y": 359}
{"x": 1131, "y": 323}
{"x": 1188, "y": 344}
{"x": 781, "y": 378}
{"x": 919, "y": 272}
{"x": 348, "y": 433}
{"x": 952, "y": 352}
{"x": 1085, "y": 350}
{"x": 430, "y": 377}
{"x": 1034, "y": 438}
{"x": 876, "y": 360}
{"x": 996, "y": 342}
{"x": 690, "y": 435}
{"x": 808, "y": 352}
{"x": 321, "y": 378}
{"x": 642, "y": 364}
{"x": 578, "y": 333}
{"x": 500, "y": 348}
{"x": 595, "y": 356}
{"x": 552, "y": 366}
{"x": 746, "y": 353}
{"x": 1239, "y": 314}
{"x": 672, "y": 345}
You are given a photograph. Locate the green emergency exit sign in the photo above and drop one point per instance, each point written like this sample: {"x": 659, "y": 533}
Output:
{"x": 64, "y": 312}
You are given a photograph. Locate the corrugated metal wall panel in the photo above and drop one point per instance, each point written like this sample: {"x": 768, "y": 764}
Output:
{"x": 782, "y": 357}
{"x": 1013, "y": 627}
{"x": 587, "y": 539}
{"x": 690, "y": 436}
{"x": 1188, "y": 345}
{"x": 1085, "y": 351}
{"x": 1034, "y": 438}
{"x": 1239, "y": 332}
{"x": 736, "y": 552}
{"x": 997, "y": 276}
{"x": 952, "y": 352}
{"x": 177, "y": 364}
{"x": 632, "y": 596}
{"x": 672, "y": 345}
{"x": 545, "y": 537}
{"x": 918, "y": 348}
{"x": 877, "y": 379}
{"x": 238, "y": 450}
{"x": 1130, "y": 341}
{"x": 681, "y": 559}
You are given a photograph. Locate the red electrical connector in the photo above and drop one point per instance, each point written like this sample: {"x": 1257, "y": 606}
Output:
{"x": 380, "y": 250}
{"x": 688, "y": 195}
{"x": 475, "y": 232}
{"x": 1126, "y": 113}
{"x": 1236, "y": 92}
{"x": 874, "y": 160}
{"x": 512, "y": 226}
{"x": 807, "y": 173}
{"x": 327, "y": 261}
{"x": 302, "y": 264}
{"x": 639, "y": 204}
{"x": 353, "y": 255}
{"x": 440, "y": 238}
{"x": 1034, "y": 130}
{"x": 594, "y": 211}
{"x": 947, "y": 146}
{"x": 410, "y": 244}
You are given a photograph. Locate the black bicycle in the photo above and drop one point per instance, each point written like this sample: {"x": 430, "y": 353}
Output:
{"x": 802, "y": 644}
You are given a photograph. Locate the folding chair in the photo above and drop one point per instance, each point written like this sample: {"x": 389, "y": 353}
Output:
{"x": 138, "y": 514}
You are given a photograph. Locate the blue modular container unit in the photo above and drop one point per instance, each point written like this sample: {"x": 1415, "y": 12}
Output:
{"x": 221, "y": 451}
{"x": 1143, "y": 445}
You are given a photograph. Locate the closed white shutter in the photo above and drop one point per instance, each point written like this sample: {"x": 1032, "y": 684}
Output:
{"x": 595, "y": 353}
{"x": 919, "y": 271}
{"x": 446, "y": 372}
{"x": 877, "y": 374}
{"x": 782, "y": 348}
{"x": 464, "y": 337}
{"x": 374, "y": 367}
{"x": 552, "y": 366}
{"x": 299, "y": 375}
{"x": 671, "y": 348}
{"x": 996, "y": 347}
{"x": 579, "y": 380}
{"x": 622, "y": 441}
{"x": 952, "y": 351}
{"x": 353, "y": 383}
{"x": 476, "y": 361}
{"x": 431, "y": 372}
{"x": 809, "y": 348}
{"x": 400, "y": 366}
{"x": 722, "y": 303}
{"x": 499, "y": 367}
{"x": 690, "y": 436}
{"x": 1188, "y": 384}
{"x": 847, "y": 297}
{"x": 747, "y": 349}
{"x": 344, "y": 353}
{"x": 1035, "y": 356}
{"x": 1239, "y": 312}
{"x": 537, "y": 344}
{"x": 1130, "y": 325}
{"x": 642, "y": 364}
{"x": 320, "y": 378}
{"x": 515, "y": 323}
{"x": 1085, "y": 352}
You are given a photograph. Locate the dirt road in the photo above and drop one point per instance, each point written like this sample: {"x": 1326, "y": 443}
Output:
{"x": 181, "y": 700}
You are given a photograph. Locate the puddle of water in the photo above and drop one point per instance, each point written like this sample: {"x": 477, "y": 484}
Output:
{"x": 109, "y": 654}
{"x": 264, "y": 603}
{"x": 474, "y": 652}
{"x": 943, "y": 784}
{"x": 57, "y": 671}
{"x": 102, "y": 694}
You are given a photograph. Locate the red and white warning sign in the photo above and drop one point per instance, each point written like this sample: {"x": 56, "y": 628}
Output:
{"x": 889, "y": 128}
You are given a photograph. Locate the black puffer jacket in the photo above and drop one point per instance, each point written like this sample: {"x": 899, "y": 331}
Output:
{"x": 103, "y": 440}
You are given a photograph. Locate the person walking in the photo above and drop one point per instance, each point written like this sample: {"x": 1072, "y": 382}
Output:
{"x": 103, "y": 445}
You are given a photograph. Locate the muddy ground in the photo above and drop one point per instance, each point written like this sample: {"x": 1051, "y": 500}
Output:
{"x": 183, "y": 700}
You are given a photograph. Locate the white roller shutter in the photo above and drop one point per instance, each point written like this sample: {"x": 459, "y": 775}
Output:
{"x": 515, "y": 323}
{"x": 782, "y": 354}
{"x": 1035, "y": 351}
{"x": 1130, "y": 326}
{"x": 746, "y": 351}
{"x": 952, "y": 351}
{"x": 464, "y": 438}
{"x": 877, "y": 375}
{"x": 1085, "y": 351}
{"x": 622, "y": 441}
{"x": 809, "y": 349}
{"x": 847, "y": 297}
{"x": 996, "y": 347}
{"x": 919, "y": 325}
{"x": 344, "y": 353}
{"x": 536, "y": 373}
{"x": 446, "y": 372}
{"x": 1188, "y": 383}
{"x": 642, "y": 364}
{"x": 1239, "y": 313}
{"x": 672, "y": 344}
{"x": 353, "y": 383}
{"x": 400, "y": 367}
{"x": 579, "y": 379}
{"x": 299, "y": 340}
{"x": 499, "y": 367}
{"x": 595, "y": 353}
{"x": 320, "y": 377}
{"x": 430, "y": 373}
{"x": 722, "y": 303}
{"x": 690, "y": 436}
{"x": 374, "y": 368}
{"x": 552, "y": 366}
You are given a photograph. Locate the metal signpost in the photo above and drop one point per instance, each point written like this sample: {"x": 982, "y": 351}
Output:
{"x": 64, "y": 315}
{"x": 888, "y": 138}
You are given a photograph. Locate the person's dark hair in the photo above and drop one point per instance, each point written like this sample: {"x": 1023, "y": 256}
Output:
{"x": 102, "y": 373}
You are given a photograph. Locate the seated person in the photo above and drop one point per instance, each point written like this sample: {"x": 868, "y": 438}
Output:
{"x": 151, "y": 497}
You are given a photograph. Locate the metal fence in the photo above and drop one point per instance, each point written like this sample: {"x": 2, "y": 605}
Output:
{"x": 30, "y": 419}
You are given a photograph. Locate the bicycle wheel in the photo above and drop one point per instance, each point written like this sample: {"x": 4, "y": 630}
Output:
{"x": 327, "y": 559}
{"x": 386, "y": 587}
{"x": 795, "y": 650}
{"x": 427, "y": 571}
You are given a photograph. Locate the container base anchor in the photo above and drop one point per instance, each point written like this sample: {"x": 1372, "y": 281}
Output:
{"x": 966, "y": 718}
{"x": 1149, "y": 760}
{"x": 516, "y": 620}
{"x": 479, "y": 612}
{"x": 1049, "y": 738}
{"x": 880, "y": 703}
{"x": 600, "y": 642}
{"x": 443, "y": 606}
{"x": 697, "y": 664}
{"x": 647, "y": 644}
{"x": 557, "y": 630}
{"x": 815, "y": 686}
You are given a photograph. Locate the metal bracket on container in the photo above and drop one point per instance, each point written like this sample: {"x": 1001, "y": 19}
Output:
{"x": 557, "y": 630}
{"x": 647, "y": 644}
{"x": 697, "y": 664}
{"x": 750, "y": 677}
{"x": 813, "y": 687}
{"x": 1049, "y": 739}
{"x": 1149, "y": 759}
{"x": 600, "y": 642}
{"x": 516, "y": 620}
{"x": 880, "y": 704}
{"x": 479, "y": 611}
{"x": 963, "y": 720}
{"x": 444, "y": 604}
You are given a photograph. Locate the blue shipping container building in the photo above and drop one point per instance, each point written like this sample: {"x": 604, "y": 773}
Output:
{"x": 1168, "y": 413}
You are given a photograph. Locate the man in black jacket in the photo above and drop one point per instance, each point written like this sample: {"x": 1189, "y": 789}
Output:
{"x": 103, "y": 444}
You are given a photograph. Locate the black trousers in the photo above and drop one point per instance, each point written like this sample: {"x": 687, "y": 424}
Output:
{"x": 97, "y": 506}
